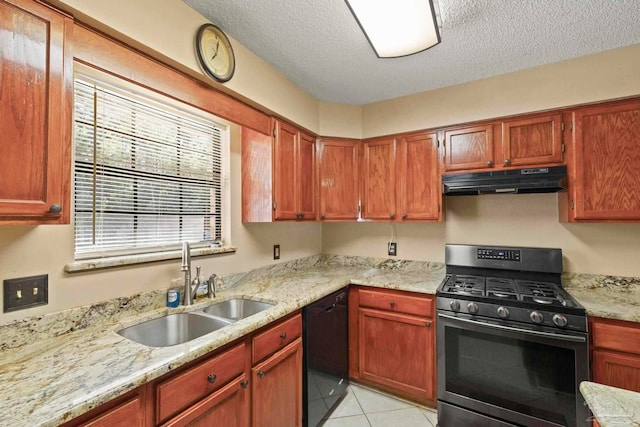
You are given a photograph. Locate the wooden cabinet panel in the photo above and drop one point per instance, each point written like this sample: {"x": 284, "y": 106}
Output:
{"x": 379, "y": 179}
{"x": 399, "y": 302}
{"x": 285, "y": 174}
{"x": 276, "y": 337}
{"x": 615, "y": 335}
{"x": 186, "y": 388}
{"x": 606, "y": 147}
{"x": 419, "y": 182}
{"x": 227, "y": 407}
{"x": 532, "y": 140}
{"x": 338, "y": 179}
{"x": 616, "y": 369}
{"x": 469, "y": 148}
{"x": 277, "y": 389}
{"x": 307, "y": 177}
{"x": 35, "y": 113}
{"x": 257, "y": 176}
{"x": 127, "y": 414}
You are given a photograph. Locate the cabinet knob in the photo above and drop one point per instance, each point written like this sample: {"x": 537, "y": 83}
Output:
{"x": 283, "y": 335}
{"x": 490, "y": 163}
{"x": 507, "y": 162}
{"x": 261, "y": 374}
{"x": 323, "y": 216}
{"x": 302, "y": 215}
{"x": 212, "y": 378}
{"x": 55, "y": 208}
{"x": 392, "y": 303}
{"x": 244, "y": 384}
{"x": 392, "y": 216}
{"x": 404, "y": 215}
{"x": 427, "y": 324}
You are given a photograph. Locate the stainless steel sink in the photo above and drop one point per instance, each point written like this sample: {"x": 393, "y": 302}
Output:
{"x": 173, "y": 329}
{"x": 236, "y": 309}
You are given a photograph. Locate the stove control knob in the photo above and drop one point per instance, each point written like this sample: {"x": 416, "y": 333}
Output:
{"x": 503, "y": 312}
{"x": 536, "y": 317}
{"x": 472, "y": 307}
{"x": 560, "y": 320}
{"x": 455, "y": 305}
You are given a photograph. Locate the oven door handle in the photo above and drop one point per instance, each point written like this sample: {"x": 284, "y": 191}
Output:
{"x": 520, "y": 331}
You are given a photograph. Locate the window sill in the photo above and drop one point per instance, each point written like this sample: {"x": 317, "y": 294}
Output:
{"x": 120, "y": 261}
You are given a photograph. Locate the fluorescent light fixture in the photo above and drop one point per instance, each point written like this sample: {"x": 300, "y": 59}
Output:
{"x": 397, "y": 28}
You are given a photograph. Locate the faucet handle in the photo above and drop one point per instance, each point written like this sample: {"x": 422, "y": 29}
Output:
{"x": 196, "y": 280}
{"x": 211, "y": 288}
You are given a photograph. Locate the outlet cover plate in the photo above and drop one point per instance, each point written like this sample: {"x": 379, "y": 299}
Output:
{"x": 276, "y": 251}
{"x": 26, "y": 292}
{"x": 392, "y": 249}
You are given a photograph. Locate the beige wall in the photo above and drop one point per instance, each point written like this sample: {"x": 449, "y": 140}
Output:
{"x": 340, "y": 120}
{"x": 33, "y": 250}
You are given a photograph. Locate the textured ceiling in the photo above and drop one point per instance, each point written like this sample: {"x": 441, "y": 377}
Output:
{"x": 319, "y": 46}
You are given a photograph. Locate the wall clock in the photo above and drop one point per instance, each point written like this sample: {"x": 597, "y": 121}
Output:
{"x": 215, "y": 53}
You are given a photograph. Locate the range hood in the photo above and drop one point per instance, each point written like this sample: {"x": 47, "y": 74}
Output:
{"x": 532, "y": 180}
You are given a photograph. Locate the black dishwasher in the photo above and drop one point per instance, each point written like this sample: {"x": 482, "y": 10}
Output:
{"x": 326, "y": 357}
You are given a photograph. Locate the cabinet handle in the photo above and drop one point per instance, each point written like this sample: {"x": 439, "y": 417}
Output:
{"x": 392, "y": 303}
{"x": 506, "y": 162}
{"x": 283, "y": 335}
{"x": 427, "y": 324}
{"x": 404, "y": 216}
{"x": 302, "y": 215}
{"x": 261, "y": 374}
{"x": 490, "y": 163}
{"x": 55, "y": 208}
{"x": 212, "y": 378}
{"x": 244, "y": 384}
{"x": 392, "y": 216}
{"x": 323, "y": 216}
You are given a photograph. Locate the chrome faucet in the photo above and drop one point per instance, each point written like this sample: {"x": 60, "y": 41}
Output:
{"x": 189, "y": 290}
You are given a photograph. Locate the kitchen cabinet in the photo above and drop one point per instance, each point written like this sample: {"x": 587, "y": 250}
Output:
{"x": 469, "y": 147}
{"x": 379, "y": 179}
{"x": 615, "y": 354}
{"x": 130, "y": 410}
{"x": 392, "y": 342}
{"x": 419, "y": 194}
{"x": 532, "y": 140}
{"x": 338, "y": 177}
{"x": 35, "y": 114}
{"x": 605, "y": 164}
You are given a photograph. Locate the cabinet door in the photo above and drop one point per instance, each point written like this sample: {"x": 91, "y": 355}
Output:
{"x": 34, "y": 113}
{"x": 617, "y": 369}
{"x": 532, "y": 141}
{"x": 127, "y": 414}
{"x": 469, "y": 148}
{"x": 606, "y": 144}
{"x": 419, "y": 184}
{"x": 379, "y": 179}
{"x": 307, "y": 177}
{"x": 285, "y": 177}
{"x": 277, "y": 389}
{"x": 338, "y": 179}
{"x": 396, "y": 351}
{"x": 227, "y": 407}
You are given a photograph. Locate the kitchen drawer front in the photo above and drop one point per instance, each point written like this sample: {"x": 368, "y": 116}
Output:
{"x": 273, "y": 339}
{"x": 186, "y": 388}
{"x": 396, "y": 302}
{"x": 127, "y": 414}
{"x": 616, "y": 335}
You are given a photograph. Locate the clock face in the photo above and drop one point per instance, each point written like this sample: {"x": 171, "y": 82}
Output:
{"x": 215, "y": 53}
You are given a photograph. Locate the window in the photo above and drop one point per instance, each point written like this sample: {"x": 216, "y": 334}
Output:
{"x": 147, "y": 175}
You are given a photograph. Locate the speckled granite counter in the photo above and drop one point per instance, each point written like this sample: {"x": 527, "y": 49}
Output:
{"x": 612, "y": 407}
{"x": 76, "y": 360}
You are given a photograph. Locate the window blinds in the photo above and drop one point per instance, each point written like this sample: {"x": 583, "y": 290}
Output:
{"x": 147, "y": 177}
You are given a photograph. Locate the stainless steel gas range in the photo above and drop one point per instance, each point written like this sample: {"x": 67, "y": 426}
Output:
{"x": 511, "y": 342}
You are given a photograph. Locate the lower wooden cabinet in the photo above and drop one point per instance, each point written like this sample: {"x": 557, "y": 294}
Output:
{"x": 392, "y": 342}
{"x": 130, "y": 410}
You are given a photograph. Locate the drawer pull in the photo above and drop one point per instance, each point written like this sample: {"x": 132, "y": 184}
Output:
{"x": 56, "y": 208}
{"x": 427, "y": 324}
{"x": 261, "y": 374}
{"x": 212, "y": 378}
{"x": 244, "y": 384}
{"x": 392, "y": 303}
{"x": 283, "y": 335}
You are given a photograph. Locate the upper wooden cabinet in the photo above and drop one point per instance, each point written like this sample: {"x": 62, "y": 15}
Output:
{"x": 532, "y": 140}
{"x": 338, "y": 179}
{"x": 419, "y": 189}
{"x": 469, "y": 148}
{"x": 605, "y": 185}
{"x": 35, "y": 114}
{"x": 379, "y": 179}
{"x": 278, "y": 175}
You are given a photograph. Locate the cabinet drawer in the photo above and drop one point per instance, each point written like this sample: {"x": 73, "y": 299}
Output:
{"x": 126, "y": 414}
{"x": 396, "y": 302}
{"x": 192, "y": 385}
{"x": 612, "y": 335}
{"x": 276, "y": 337}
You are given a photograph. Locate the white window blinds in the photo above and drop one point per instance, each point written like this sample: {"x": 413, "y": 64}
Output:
{"x": 147, "y": 176}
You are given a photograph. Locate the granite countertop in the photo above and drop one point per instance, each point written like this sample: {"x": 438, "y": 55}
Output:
{"x": 611, "y": 406}
{"x": 54, "y": 379}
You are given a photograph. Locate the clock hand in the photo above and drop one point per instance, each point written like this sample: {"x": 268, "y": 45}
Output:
{"x": 217, "y": 48}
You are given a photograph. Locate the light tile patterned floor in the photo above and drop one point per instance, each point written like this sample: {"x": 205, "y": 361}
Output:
{"x": 363, "y": 407}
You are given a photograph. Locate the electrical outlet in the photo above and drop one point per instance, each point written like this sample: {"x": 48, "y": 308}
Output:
{"x": 276, "y": 251}
{"x": 393, "y": 249}
{"x": 26, "y": 292}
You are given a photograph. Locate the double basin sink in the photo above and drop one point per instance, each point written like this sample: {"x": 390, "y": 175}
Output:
{"x": 179, "y": 328}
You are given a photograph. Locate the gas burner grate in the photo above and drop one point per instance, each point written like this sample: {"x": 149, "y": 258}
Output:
{"x": 538, "y": 290}
{"x": 465, "y": 285}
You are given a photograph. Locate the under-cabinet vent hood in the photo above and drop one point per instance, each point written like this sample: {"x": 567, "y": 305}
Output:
{"x": 532, "y": 180}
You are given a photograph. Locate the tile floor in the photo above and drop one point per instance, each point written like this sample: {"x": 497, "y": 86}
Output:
{"x": 363, "y": 407}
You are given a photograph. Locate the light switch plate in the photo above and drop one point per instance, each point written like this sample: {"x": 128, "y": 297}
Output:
{"x": 26, "y": 292}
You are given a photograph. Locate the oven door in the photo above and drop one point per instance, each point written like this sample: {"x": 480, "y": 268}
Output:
{"x": 509, "y": 375}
